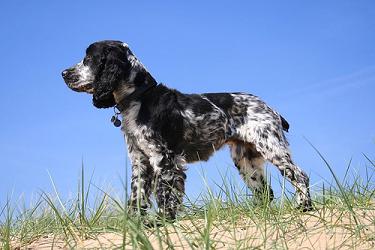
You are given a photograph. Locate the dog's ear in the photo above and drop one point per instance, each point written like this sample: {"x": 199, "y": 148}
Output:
{"x": 114, "y": 68}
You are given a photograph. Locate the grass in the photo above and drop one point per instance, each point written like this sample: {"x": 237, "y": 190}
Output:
{"x": 344, "y": 217}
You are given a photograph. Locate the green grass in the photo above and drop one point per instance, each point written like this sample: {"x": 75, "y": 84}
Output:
{"x": 344, "y": 217}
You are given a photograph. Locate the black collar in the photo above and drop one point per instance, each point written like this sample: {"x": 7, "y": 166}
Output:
{"x": 124, "y": 103}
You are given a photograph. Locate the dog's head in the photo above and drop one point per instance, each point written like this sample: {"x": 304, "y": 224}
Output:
{"x": 105, "y": 66}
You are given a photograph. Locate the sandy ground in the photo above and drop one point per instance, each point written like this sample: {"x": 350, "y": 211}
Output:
{"x": 310, "y": 232}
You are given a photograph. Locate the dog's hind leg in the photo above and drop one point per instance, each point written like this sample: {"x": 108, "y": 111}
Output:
{"x": 298, "y": 178}
{"x": 273, "y": 146}
{"x": 250, "y": 164}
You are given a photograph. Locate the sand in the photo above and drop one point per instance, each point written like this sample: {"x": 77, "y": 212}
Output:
{"x": 331, "y": 230}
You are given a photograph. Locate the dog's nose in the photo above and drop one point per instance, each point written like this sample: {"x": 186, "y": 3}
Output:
{"x": 64, "y": 73}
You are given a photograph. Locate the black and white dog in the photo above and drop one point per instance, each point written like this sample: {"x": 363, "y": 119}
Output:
{"x": 166, "y": 129}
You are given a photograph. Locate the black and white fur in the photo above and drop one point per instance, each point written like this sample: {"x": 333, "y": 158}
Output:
{"x": 166, "y": 129}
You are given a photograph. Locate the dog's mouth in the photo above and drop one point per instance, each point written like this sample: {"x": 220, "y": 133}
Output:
{"x": 88, "y": 88}
{"x": 76, "y": 83}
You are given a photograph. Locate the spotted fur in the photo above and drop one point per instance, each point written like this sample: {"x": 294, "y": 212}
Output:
{"x": 166, "y": 129}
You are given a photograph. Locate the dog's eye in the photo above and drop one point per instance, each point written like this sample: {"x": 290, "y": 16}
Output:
{"x": 86, "y": 59}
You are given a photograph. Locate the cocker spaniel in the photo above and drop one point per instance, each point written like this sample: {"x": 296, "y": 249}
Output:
{"x": 166, "y": 129}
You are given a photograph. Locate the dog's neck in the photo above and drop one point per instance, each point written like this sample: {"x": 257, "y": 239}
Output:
{"x": 131, "y": 89}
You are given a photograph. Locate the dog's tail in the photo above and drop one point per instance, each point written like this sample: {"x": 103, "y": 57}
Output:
{"x": 284, "y": 123}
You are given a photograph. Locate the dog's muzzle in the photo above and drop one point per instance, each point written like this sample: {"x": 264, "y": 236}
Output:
{"x": 70, "y": 77}
{"x": 74, "y": 81}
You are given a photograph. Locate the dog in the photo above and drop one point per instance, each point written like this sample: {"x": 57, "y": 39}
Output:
{"x": 166, "y": 129}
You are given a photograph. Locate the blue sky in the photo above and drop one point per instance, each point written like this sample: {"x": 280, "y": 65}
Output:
{"x": 312, "y": 61}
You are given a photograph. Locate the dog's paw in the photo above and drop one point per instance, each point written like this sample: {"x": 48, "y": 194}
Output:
{"x": 306, "y": 207}
{"x": 157, "y": 221}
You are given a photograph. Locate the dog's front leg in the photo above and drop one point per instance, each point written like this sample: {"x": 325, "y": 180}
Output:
{"x": 170, "y": 181}
{"x": 141, "y": 180}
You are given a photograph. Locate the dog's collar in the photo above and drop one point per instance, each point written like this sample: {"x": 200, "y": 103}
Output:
{"x": 124, "y": 103}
